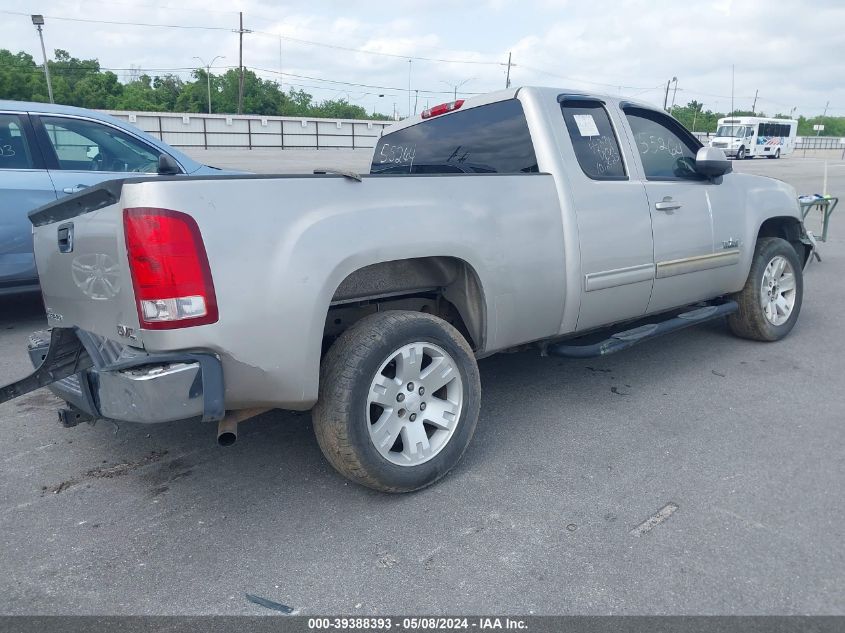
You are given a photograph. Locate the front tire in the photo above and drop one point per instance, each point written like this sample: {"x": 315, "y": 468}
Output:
{"x": 399, "y": 400}
{"x": 770, "y": 302}
{"x": 740, "y": 153}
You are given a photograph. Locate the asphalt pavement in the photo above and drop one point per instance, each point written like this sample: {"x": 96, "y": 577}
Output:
{"x": 696, "y": 474}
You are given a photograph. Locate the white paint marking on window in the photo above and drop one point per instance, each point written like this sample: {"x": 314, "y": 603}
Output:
{"x": 655, "y": 519}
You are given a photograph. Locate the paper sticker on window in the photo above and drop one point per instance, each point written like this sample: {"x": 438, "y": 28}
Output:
{"x": 586, "y": 124}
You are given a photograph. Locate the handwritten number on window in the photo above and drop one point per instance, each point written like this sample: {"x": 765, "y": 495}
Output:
{"x": 397, "y": 154}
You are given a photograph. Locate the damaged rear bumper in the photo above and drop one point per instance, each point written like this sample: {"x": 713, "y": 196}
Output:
{"x": 130, "y": 385}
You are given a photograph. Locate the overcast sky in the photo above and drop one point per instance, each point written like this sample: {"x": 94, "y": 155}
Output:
{"x": 792, "y": 52}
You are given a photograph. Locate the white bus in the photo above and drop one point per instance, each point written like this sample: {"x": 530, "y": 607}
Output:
{"x": 749, "y": 136}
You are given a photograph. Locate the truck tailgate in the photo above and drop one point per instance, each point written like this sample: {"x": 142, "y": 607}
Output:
{"x": 80, "y": 253}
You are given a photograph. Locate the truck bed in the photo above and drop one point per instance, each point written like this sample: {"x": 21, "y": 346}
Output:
{"x": 280, "y": 246}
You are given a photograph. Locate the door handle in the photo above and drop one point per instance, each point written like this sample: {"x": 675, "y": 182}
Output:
{"x": 65, "y": 238}
{"x": 74, "y": 189}
{"x": 667, "y": 204}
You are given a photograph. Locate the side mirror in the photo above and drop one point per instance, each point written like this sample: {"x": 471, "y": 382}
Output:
{"x": 167, "y": 166}
{"x": 712, "y": 162}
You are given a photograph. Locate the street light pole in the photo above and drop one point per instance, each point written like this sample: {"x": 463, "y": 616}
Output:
{"x": 409, "y": 87}
{"x": 819, "y": 131}
{"x": 456, "y": 86}
{"x": 674, "y": 93}
{"x": 208, "y": 75}
{"x": 38, "y": 21}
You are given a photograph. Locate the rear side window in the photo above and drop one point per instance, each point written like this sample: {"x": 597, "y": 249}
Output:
{"x": 593, "y": 139}
{"x": 487, "y": 139}
{"x": 14, "y": 150}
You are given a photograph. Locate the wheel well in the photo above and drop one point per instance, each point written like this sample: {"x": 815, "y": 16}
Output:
{"x": 788, "y": 228}
{"x": 444, "y": 286}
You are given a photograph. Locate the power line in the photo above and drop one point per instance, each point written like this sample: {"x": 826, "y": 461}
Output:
{"x": 191, "y": 69}
{"x": 115, "y": 22}
{"x": 135, "y": 5}
{"x": 584, "y": 81}
{"x": 380, "y": 53}
{"x": 274, "y": 35}
{"x": 355, "y": 84}
{"x": 641, "y": 89}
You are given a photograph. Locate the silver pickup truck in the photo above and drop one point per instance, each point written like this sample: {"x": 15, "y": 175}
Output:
{"x": 574, "y": 223}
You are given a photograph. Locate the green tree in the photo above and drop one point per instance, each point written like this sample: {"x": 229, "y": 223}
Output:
{"x": 138, "y": 95}
{"x": 80, "y": 82}
{"x": 193, "y": 96}
{"x": 297, "y": 103}
{"x": 83, "y": 82}
{"x": 20, "y": 78}
{"x": 339, "y": 109}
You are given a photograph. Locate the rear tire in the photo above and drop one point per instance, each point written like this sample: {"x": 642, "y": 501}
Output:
{"x": 399, "y": 400}
{"x": 770, "y": 302}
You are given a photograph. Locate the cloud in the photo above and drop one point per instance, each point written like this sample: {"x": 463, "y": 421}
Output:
{"x": 630, "y": 46}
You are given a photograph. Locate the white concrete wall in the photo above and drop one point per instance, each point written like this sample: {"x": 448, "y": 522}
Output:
{"x": 204, "y": 131}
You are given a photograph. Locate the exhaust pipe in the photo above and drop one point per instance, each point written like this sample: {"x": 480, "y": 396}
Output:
{"x": 227, "y": 431}
{"x": 227, "y": 428}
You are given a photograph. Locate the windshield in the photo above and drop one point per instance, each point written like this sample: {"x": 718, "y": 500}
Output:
{"x": 734, "y": 131}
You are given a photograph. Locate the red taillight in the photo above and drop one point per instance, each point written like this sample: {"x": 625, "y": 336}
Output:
{"x": 443, "y": 108}
{"x": 169, "y": 266}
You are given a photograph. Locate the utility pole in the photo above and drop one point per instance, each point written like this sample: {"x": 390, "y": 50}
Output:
{"x": 38, "y": 21}
{"x": 410, "y": 61}
{"x": 416, "y": 100}
{"x": 823, "y": 116}
{"x": 732, "y": 90}
{"x": 666, "y": 96}
{"x": 241, "y": 30}
{"x": 508, "y": 77}
{"x": 754, "y": 105}
{"x": 281, "y": 74}
{"x": 674, "y": 94}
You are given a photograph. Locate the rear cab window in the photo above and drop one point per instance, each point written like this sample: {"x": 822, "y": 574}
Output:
{"x": 593, "y": 139}
{"x": 487, "y": 139}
